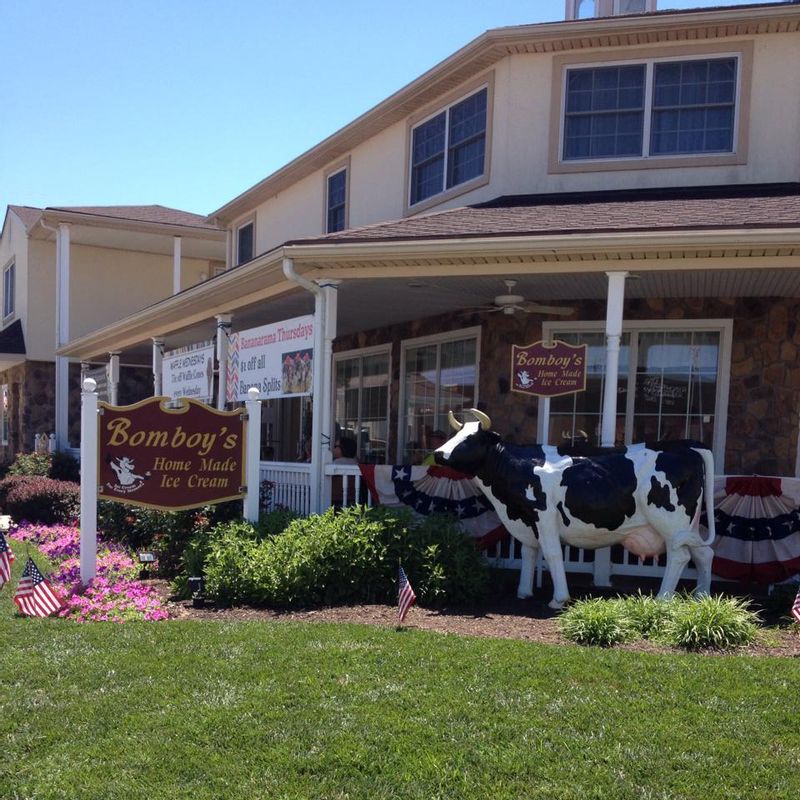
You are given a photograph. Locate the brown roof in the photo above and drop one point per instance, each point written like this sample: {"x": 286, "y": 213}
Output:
{"x": 28, "y": 214}
{"x": 156, "y": 214}
{"x": 689, "y": 208}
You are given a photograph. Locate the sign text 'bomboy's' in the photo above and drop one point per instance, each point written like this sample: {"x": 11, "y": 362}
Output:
{"x": 171, "y": 458}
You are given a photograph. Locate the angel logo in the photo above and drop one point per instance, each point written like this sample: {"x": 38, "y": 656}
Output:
{"x": 127, "y": 480}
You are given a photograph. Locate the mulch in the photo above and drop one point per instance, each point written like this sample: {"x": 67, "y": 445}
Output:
{"x": 502, "y": 617}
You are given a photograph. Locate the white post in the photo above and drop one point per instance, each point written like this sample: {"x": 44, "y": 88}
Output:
{"x": 608, "y": 428}
{"x": 325, "y": 393}
{"x": 89, "y": 472}
{"x": 62, "y": 335}
{"x": 176, "y": 264}
{"x": 223, "y": 327}
{"x": 158, "y": 358}
{"x": 113, "y": 377}
{"x": 318, "y": 392}
{"x": 253, "y": 454}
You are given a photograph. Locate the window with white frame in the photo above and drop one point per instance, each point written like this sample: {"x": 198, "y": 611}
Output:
{"x": 652, "y": 108}
{"x": 361, "y": 402}
{"x": 672, "y": 384}
{"x": 336, "y": 202}
{"x": 9, "y": 280}
{"x": 245, "y": 240}
{"x": 439, "y": 374}
{"x": 449, "y": 148}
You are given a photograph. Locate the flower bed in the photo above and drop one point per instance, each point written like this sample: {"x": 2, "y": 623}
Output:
{"x": 114, "y": 595}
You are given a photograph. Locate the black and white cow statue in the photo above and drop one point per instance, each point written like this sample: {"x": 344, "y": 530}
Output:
{"x": 648, "y": 497}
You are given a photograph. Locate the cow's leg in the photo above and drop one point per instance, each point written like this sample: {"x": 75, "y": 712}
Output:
{"x": 677, "y": 559}
{"x": 553, "y": 553}
{"x": 703, "y": 555}
{"x": 525, "y": 588}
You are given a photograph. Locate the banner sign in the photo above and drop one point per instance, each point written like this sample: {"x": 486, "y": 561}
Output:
{"x": 170, "y": 458}
{"x": 548, "y": 370}
{"x": 277, "y": 359}
{"x": 189, "y": 372}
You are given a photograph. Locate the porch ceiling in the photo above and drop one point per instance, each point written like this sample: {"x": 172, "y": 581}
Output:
{"x": 368, "y": 303}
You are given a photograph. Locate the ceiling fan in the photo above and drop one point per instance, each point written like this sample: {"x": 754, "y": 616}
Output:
{"x": 509, "y": 303}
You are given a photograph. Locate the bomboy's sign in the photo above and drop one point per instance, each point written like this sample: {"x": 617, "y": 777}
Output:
{"x": 170, "y": 458}
{"x": 548, "y": 370}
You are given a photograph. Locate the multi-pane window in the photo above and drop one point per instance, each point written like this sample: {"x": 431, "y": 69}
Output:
{"x": 244, "y": 243}
{"x": 437, "y": 377}
{"x": 449, "y": 149}
{"x": 361, "y": 404}
{"x": 657, "y": 108}
{"x": 4, "y": 414}
{"x": 8, "y": 290}
{"x": 336, "y": 202}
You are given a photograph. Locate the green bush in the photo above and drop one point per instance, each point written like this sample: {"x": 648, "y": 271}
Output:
{"x": 647, "y": 616}
{"x": 346, "y": 557}
{"x": 596, "y": 622}
{"x": 711, "y": 622}
{"x": 38, "y": 499}
{"x": 59, "y": 466}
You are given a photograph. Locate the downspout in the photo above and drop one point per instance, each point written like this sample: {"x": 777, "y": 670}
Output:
{"x": 318, "y": 379}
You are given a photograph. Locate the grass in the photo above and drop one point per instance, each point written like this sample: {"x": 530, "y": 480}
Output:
{"x": 193, "y": 709}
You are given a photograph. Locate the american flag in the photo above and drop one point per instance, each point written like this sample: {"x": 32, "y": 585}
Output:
{"x": 796, "y": 607}
{"x": 6, "y": 557}
{"x": 35, "y": 596}
{"x": 405, "y": 596}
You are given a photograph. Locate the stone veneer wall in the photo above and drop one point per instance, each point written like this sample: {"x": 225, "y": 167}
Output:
{"x": 764, "y": 399}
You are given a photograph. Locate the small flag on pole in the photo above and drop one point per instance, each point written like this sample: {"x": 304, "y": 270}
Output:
{"x": 6, "y": 557}
{"x": 405, "y": 596}
{"x": 35, "y": 596}
{"x": 796, "y": 607}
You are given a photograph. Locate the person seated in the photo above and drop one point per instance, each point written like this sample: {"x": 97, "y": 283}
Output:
{"x": 436, "y": 440}
{"x": 344, "y": 451}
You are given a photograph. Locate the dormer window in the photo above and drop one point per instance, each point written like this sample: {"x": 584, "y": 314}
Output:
{"x": 9, "y": 281}
{"x": 245, "y": 240}
{"x": 336, "y": 201}
{"x": 449, "y": 148}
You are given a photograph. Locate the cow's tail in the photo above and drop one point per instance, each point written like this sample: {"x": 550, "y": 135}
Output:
{"x": 708, "y": 492}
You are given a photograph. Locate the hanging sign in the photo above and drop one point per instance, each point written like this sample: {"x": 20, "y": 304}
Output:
{"x": 548, "y": 370}
{"x": 277, "y": 359}
{"x": 189, "y": 372}
{"x": 170, "y": 458}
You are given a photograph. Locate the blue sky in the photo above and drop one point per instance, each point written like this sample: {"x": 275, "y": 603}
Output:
{"x": 187, "y": 103}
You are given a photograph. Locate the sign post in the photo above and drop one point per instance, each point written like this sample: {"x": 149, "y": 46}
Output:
{"x": 88, "y": 480}
{"x": 252, "y": 470}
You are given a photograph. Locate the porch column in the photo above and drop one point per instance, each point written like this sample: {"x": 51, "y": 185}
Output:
{"x": 325, "y": 393}
{"x": 62, "y": 335}
{"x": 608, "y": 428}
{"x": 113, "y": 377}
{"x": 223, "y": 329}
{"x": 158, "y": 358}
{"x": 176, "y": 264}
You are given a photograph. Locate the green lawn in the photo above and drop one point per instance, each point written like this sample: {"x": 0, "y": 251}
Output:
{"x": 284, "y": 710}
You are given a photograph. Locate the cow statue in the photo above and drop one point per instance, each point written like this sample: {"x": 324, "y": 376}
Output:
{"x": 647, "y": 497}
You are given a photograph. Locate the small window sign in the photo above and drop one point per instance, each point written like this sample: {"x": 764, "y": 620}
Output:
{"x": 147, "y": 558}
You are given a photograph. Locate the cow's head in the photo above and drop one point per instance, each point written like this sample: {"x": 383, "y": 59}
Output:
{"x": 466, "y": 451}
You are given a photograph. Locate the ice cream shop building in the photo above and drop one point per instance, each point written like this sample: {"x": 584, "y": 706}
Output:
{"x": 627, "y": 179}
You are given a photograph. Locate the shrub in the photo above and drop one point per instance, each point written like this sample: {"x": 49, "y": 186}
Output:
{"x": 711, "y": 622}
{"x": 31, "y": 464}
{"x": 597, "y": 622}
{"x": 346, "y": 557}
{"x": 647, "y": 616}
{"x": 37, "y": 499}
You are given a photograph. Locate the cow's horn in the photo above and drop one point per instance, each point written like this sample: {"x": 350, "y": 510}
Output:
{"x": 583, "y": 434}
{"x": 565, "y": 435}
{"x": 454, "y": 423}
{"x": 484, "y": 420}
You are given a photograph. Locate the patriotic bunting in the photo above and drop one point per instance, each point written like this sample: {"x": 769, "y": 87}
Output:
{"x": 35, "y": 597}
{"x": 6, "y": 557}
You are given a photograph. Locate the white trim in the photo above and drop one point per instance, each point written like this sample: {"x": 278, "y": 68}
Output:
{"x": 436, "y": 338}
{"x": 647, "y": 109}
{"x": 723, "y": 326}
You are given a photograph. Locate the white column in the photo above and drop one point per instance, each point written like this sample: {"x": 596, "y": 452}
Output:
{"x": 318, "y": 380}
{"x": 158, "y": 358}
{"x": 176, "y": 264}
{"x": 62, "y": 335}
{"x": 113, "y": 377}
{"x": 616, "y": 299}
{"x": 223, "y": 329}
{"x": 253, "y": 454}
{"x": 325, "y": 392}
{"x": 89, "y": 473}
